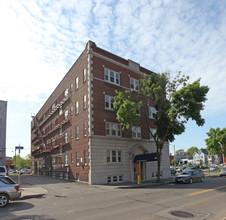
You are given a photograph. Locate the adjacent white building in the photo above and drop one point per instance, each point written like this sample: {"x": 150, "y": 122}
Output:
{"x": 200, "y": 157}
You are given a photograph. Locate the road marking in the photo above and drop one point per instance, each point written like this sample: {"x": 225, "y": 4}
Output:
{"x": 207, "y": 190}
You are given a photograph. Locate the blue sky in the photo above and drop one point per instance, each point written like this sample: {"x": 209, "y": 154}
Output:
{"x": 40, "y": 40}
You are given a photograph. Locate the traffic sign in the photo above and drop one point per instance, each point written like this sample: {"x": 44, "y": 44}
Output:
{"x": 19, "y": 148}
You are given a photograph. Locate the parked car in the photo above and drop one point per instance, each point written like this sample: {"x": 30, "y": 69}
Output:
{"x": 25, "y": 171}
{"x": 222, "y": 172}
{"x": 190, "y": 176}
{"x": 3, "y": 171}
{"x": 213, "y": 167}
{"x": 9, "y": 190}
{"x": 173, "y": 171}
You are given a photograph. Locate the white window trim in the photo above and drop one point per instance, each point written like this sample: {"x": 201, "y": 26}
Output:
{"x": 153, "y": 130}
{"x": 135, "y": 84}
{"x": 109, "y": 99}
{"x": 151, "y": 111}
{"x": 66, "y": 160}
{"x": 76, "y": 82}
{"x": 111, "y": 157}
{"x": 76, "y": 108}
{"x": 84, "y": 102}
{"x": 76, "y": 132}
{"x": 117, "y": 130}
{"x": 136, "y": 130}
{"x": 107, "y": 72}
{"x": 84, "y": 75}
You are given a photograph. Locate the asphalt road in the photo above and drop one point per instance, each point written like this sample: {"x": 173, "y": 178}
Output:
{"x": 69, "y": 200}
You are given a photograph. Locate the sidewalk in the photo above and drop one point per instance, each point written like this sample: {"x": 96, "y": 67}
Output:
{"x": 32, "y": 192}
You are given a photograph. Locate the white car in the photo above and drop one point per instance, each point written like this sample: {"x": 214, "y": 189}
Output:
{"x": 222, "y": 172}
{"x": 3, "y": 171}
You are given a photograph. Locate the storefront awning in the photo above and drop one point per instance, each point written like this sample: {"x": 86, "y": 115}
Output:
{"x": 145, "y": 157}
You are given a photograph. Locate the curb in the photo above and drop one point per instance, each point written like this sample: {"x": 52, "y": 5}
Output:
{"x": 32, "y": 192}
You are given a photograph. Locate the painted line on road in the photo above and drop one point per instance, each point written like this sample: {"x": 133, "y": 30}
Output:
{"x": 207, "y": 190}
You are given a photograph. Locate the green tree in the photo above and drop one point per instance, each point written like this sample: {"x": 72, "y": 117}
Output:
{"x": 191, "y": 151}
{"x": 176, "y": 101}
{"x": 180, "y": 152}
{"x": 24, "y": 162}
{"x": 216, "y": 141}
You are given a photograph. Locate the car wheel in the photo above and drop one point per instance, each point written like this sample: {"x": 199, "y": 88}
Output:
{"x": 4, "y": 199}
{"x": 190, "y": 180}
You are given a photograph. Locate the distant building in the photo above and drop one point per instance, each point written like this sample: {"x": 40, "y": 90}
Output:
{"x": 3, "y": 114}
{"x": 200, "y": 157}
{"x": 75, "y": 134}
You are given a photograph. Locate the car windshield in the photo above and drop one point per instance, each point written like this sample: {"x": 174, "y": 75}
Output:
{"x": 2, "y": 169}
{"x": 6, "y": 180}
{"x": 187, "y": 173}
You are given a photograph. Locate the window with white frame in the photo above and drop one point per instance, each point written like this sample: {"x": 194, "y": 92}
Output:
{"x": 85, "y": 157}
{"x": 66, "y": 160}
{"x": 136, "y": 132}
{"x": 77, "y": 132}
{"x": 76, "y": 108}
{"x": 111, "y": 76}
{"x": 60, "y": 150}
{"x": 72, "y": 158}
{"x": 84, "y": 102}
{"x": 114, "y": 156}
{"x": 60, "y": 131}
{"x": 71, "y": 133}
{"x": 77, "y": 159}
{"x": 60, "y": 110}
{"x": 66, "y": 115}
{"x": 111, "y": 179}
{"x": 66, "y": 93}
{"x": 84, "y": 75}
{"x": 71, "y": 87}
{"x": 134, "y": 84}
{"x": 113, "y": 129}
{"x": 152, "y": 111}
{"x": 76, "y": 83}
{"x": 109, "y": 100}
{"x": 84, "y": 129}
{"x": 153, "y": 131}
{"x": 66, "y": 137}
{"x": 71, "y": 108}
{"x": 53, "y": 161}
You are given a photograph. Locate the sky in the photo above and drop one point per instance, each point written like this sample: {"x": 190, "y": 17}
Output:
{"x": 41, "y": 39}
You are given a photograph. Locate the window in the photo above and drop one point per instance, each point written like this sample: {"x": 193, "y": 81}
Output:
{"x": 113, "y": 129}
{"x": 60, "y": 151}
{"x": 111, "y": 76}
{"x": 85, "y": 157}
{"x": 71, "y": 87}
{"x": 77, "y": 159}
{"x": 153, "y": 131}
{"x": 134, "y": 84}
{"x": 76, "y": 83}
{"x": 136, "y": 132}
{"x": 84, "y": 75}
{"x": 84, "y": 129}
{"x": 66, "y": 115}
{"x": 66, "y": 160}
{"x": 111, "y": 179}
{"x": 76, "y": 107}
{"x": 72, "y": 158}
{"x": 152, "y": 111}
{"x": 60, "y": 110}
{"x": 66, "y": 137}
{"x": 66, "y": 93}
{"x": 109, "y": 100}
{"x": 71, "y": 133}
{"x": 114, "y": 156}
{"x": 53, "y": 161}
{"x": 84, "y": 101}
{"x": 71, "y": 110}
{"x": 53, "y": 141}
{"x": 77, "y": 132}
{"x": 60, "y": 131}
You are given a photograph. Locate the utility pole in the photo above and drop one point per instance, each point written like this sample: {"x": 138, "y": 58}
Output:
{"x": 174, "y": 158}
{"x": 19, "y": 148}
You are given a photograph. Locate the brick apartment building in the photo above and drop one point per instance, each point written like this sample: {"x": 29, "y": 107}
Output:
{"x": 75, "y": 135}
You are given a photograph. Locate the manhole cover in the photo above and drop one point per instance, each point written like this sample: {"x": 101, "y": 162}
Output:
{"x": 182, "y": 214}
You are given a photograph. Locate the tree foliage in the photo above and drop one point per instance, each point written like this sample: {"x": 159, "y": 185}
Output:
{"x": 180, "y": 152}
{"x": 191, "y": 151}
{"x": 176, "y": 101}
{"x": 216, "y": 141}
{"x": 24, "y": 162}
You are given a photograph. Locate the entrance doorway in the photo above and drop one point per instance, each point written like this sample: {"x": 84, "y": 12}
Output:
{"x": 136, "y": 170}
